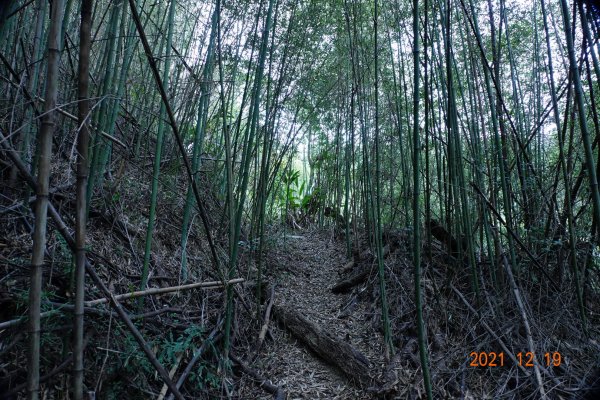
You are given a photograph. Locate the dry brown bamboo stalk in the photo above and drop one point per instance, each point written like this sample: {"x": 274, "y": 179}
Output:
{"x": 140, "y": 293}
{"x": 267, "y": 319}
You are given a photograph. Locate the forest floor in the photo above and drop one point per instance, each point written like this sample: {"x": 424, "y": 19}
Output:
{"x": 302, "y": 265}
{"x": 307, "y": 264}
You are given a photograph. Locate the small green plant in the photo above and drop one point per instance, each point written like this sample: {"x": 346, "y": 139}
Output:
{"x": 312, "y": 201}
{"x": 172, "y": 348}
{"x": 66, "y": 254}
{"x": 135, "y": 362}
{"x": 293, "y": 192}
{"x": 205, "y": 376}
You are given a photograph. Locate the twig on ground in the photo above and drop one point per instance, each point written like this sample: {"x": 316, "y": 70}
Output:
{"x": 267, "y": 319}
{"x": 262, "y": 382}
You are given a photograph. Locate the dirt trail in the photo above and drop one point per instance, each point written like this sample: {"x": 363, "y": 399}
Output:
{"x": 307, "y": 265}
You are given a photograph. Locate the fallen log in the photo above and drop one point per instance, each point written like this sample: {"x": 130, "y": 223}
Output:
{"x": 348, "y": 267}
{"x": 347, "y": 283}
{"x": 332, "y": 349}
{"x": 358, "y": 275}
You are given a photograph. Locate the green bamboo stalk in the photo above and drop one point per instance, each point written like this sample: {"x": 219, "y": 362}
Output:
{"x": 198, "y": 141}
{"x": 99, "y": 143}
{"x": 157, "y": 152}
{"x": 387, "y": 335}
{"x": 422, "y": 336}
{"x": 243, "y": 184}
{"x": 24, "y": 138}
{"x": 581, "y": 110}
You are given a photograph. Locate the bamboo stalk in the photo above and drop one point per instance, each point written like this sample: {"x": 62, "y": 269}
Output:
{"x": 64, "y": 232}
{"x": 81, "y": 186}
{"x": 422, "y": 334}
{"x": 157, "y": 154}
{"x": 165, "y": 98}
{"x": 41, "y": 206}
{"x": 154, "y": 291}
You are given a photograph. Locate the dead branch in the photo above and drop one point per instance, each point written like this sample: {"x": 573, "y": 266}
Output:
{"x": 265, "y": 327}
{"x": 154, "y": 291}
{"x": 262, "y": 382}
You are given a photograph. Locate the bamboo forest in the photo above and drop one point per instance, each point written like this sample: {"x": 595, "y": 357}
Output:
{"x": 299, "y": 199}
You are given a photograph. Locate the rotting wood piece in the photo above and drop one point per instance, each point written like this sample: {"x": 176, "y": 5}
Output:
{"x": 360, "y": 273}
{"x": 347, "y": 283}
{"x": 453, "y": 245}
{"x": 333, "y": 350}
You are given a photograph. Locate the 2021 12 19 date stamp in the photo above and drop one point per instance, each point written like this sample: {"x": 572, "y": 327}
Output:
{"x": 491, "y": 359}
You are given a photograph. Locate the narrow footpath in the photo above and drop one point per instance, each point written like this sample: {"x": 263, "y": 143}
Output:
{"x": 306, "y": 265}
